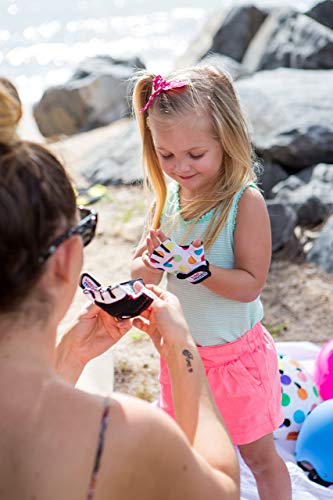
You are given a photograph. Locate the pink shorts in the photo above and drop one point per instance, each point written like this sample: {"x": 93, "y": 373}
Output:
{"x": 245, "y": 382}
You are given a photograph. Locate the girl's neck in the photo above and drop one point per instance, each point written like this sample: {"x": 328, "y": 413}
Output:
{"x": 185, "y": 197}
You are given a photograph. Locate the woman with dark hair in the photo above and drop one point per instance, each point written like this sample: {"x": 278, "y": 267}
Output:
{"x": 57, "y": 442}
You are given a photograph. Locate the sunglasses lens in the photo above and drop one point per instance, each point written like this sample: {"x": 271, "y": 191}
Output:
{"x": 84, "y": 212}
{"x": 87, "y": 235}
{"x": 88, "y": 225}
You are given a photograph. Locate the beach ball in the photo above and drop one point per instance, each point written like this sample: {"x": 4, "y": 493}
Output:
{"x": 323, "y": 370}
{"x": 299, "y": 396}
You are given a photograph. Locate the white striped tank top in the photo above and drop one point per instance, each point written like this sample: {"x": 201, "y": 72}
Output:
{"x": 212, "y": 319}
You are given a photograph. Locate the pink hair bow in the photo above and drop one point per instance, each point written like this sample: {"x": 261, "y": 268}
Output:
{"x": 161, "y": 85}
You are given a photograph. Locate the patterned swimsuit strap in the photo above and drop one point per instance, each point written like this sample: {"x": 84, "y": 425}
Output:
{"x": 100, "y": 446}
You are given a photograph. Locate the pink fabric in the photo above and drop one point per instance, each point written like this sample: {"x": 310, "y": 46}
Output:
{"x": 244, "y": 379}
{"x": 161, "y": 85}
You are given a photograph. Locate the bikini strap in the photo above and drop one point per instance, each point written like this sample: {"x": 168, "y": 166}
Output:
{"x": 100, "y": 446}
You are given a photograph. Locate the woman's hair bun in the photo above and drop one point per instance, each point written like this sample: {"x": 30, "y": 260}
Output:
{"x": 11, "y": 112}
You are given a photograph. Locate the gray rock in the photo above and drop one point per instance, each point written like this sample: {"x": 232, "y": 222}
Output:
{"x": 290, "y": 39}
{"x": 311, "y": 211}
{"x": 290, "y": 114}
{"x": 224, "y": 64}
{"x": 237, "y": 30}
{"x": 117, "y": 160}
{"x": 282, "y": 189}
{"x": 202, "y": 43}
{"x": 321, "y": 252}
{"x": 322, "y": 12}
{"x": 324, "y": 173}
{"x": 283, "y": 222}
{"x": 315, "y": 181}
{"x": 313, "y": 200}
{"x": 96, "y": 95}
{"x": 269, "y": 174}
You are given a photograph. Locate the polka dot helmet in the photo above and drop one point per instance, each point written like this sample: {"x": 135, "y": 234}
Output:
{"x": 299, "y": 396}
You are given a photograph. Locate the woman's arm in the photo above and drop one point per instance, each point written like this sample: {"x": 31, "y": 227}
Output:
{"x": 252, "y": 249}
{"x": 195, "y": 409}
{"x": 202, "y": 462}
{"x": 93, "y": 333}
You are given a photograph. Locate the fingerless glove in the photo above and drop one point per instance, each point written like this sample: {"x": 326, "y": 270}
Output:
{"x": 119, "y": 300}
{"x": 186, "y": 262}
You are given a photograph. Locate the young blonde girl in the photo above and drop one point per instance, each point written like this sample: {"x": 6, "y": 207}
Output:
{"x": 194, "y": 133}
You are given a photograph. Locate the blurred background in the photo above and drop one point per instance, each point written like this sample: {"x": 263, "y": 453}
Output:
{"x": 42, "y": 41}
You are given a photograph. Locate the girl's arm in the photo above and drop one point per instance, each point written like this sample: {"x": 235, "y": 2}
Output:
{"x": 140, "y": 267}
{"x": 252, "y": 249}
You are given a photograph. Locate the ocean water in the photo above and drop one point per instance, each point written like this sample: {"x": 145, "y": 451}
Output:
{"x": 42, "y": 41}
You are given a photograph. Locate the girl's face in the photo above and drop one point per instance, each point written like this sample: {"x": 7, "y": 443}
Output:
{"x": 187, "y": 151}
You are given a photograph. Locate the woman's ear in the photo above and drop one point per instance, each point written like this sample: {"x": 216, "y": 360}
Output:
{"x": 65, "y": 265}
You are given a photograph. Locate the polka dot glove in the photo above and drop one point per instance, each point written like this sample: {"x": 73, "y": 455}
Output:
{"x": 185, "y": 262}
{"x": 119, "y": 300}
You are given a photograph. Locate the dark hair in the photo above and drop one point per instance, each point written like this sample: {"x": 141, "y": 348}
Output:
{"x": 37, "y": 202}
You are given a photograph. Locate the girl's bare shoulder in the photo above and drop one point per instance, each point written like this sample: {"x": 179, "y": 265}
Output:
{"x": 251, "y": 204}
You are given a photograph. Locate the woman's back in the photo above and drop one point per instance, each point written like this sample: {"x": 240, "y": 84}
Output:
{"x": 49, "y": 450}
{"x": 49, "y": 437}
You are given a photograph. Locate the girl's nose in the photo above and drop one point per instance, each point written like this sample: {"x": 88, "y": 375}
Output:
{"x": 183, "y": 165}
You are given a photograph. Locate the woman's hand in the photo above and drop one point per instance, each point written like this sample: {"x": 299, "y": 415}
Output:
{"x": 163, "y": 321}
{"x": 94, "y": 332}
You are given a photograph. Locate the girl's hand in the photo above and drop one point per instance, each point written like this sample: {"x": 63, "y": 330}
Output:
{"x": 156, "y": 237}
{"x": 163, "y": 321}
{"x": 152, "y": 241}
{"x": 186, "y": 262}
{"x": 146, "y": 260}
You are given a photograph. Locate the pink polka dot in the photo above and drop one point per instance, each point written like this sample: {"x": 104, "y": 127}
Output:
{"x": 302, "y": 376}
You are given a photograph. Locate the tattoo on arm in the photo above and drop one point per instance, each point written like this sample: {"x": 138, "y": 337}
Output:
{"x": 188, "y": 357}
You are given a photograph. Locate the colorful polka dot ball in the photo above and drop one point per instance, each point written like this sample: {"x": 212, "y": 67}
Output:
{"x": 299, "y": 396}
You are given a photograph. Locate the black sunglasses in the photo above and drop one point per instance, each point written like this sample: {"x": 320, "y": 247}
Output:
{"x": 86, "y": 228}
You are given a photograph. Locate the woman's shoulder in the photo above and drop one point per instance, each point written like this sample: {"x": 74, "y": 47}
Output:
{"x": 140, "y": 438}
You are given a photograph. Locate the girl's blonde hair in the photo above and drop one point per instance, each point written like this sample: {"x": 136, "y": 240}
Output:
{"x": 211, "y": 92}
